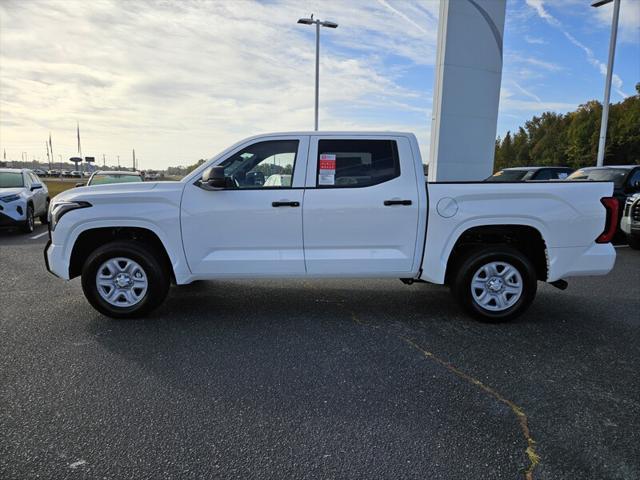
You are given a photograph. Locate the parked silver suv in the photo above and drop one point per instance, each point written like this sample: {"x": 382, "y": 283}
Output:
{"x": 630, "y": 223}
{"x": 23, "y": 196}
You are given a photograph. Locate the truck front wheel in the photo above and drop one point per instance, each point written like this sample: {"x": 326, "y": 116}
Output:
{"x": 124, "y": 279}
{"x": 495, "y": 284}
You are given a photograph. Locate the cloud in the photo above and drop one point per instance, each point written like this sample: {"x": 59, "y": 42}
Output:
{"x": 628, "y": 22}
{"x": 539, "y": 7}
{"x": 510, "y": 104}
{"x": 534, "y": 40}
{"x": 527, "y": 92}
{"x": 183, "y": 80}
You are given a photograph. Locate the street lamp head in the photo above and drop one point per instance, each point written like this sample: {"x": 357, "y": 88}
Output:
{"x": 329, "y": 24}
{"x": 305, "y": 21}
{"x": 599, "y": 3}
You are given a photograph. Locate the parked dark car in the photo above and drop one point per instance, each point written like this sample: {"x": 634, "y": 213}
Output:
{"x": 523, "y": 174}
{"x": 625, "y": 178}
{"x": 630, "y": 223}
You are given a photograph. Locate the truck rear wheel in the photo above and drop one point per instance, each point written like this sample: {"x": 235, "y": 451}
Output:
{"x": 123, "y": 279}
{"x": 495, "y": 284}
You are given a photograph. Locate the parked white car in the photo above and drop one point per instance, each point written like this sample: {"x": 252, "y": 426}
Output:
{"x": 103, "y": 177}
{"x": 278, "y": 180}
{"x": 357, "y": 206}
{"x": 23, "y": 196}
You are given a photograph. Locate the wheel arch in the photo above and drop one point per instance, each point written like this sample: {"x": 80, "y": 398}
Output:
{"x": 527, "y": 239}
{"x": 91, "y": 238}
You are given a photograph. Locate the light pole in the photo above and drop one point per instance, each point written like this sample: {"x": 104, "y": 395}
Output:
{"x": 318, "y": 24}
{"x": 607, "y": 86}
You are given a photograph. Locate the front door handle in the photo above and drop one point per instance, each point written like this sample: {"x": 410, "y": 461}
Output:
{"x": 388, "y": 203}
{"x": 285, "y": 204}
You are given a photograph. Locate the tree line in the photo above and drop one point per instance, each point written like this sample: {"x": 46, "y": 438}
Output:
{"x": 571, "y": 139}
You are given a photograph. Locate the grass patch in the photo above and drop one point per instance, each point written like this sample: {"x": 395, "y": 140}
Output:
{"x": 57, "y": 186}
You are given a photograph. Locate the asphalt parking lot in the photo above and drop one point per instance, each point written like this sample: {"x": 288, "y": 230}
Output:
{"x": 316, "y": 379}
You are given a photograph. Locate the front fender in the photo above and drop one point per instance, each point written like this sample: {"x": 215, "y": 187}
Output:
{"x": 166, "y": 226}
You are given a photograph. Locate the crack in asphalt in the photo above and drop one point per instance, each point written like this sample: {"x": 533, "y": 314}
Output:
{"x": 532, "y": 455}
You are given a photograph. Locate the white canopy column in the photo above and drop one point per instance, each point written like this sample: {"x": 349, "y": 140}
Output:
{"x": 467, "y": 89}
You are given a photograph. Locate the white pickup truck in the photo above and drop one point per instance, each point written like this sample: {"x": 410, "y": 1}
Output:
{"x": 353, "y": 204}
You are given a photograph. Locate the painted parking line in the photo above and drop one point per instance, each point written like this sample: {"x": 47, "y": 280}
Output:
{"x": 621, "y": 246}
{"x": 39, "y": 235}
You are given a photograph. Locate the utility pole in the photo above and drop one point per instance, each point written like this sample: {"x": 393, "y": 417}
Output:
{"x": 79, "y": 148}
{"x": 134, "y": 159}
{"x": 118, "y": 162}
{"x": 104, "y": 161}
{"x": 46, "y": 144}
{"x": 51, "y": 150}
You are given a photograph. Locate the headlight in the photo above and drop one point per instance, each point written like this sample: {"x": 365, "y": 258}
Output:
{"x": 58, "y": 209}
{"x": 10, "y": 198}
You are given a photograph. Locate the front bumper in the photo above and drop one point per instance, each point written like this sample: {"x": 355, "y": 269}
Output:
{"x": 7, "y": 221}
{"x": 54, "y": 260}
{"x": 12, "y": 214}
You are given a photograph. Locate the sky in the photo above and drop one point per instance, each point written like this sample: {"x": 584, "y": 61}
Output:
{"x": 180, "y": 81}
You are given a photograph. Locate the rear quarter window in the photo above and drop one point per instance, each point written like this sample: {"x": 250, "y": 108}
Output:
{"x": 356, "y": 163}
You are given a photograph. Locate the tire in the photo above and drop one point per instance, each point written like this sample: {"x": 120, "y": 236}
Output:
{"x": 43, "y": 218}
{"x": 503, "y": 294}
{"x": 128, "y": 298}
{"x": 28, "y": 224}
{"x": 634, "y": 242}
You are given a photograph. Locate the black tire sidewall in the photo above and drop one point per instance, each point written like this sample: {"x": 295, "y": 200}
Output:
{"x": 157, "y": 277}
{"x": 461, "y": 285}
{"x": 28, "y": 226}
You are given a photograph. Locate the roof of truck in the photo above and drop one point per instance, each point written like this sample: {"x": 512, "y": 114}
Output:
{"x": 335, "y": 132}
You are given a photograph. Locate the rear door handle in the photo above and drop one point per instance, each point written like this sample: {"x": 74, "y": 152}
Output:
{"x": 285, "y": 204}
{"x": 388, "y": 203}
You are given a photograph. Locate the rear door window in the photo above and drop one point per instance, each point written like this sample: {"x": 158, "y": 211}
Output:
{"x": 356, "y": 163}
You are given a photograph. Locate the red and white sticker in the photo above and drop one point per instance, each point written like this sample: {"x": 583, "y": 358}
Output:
{"x": 327, "y": 171}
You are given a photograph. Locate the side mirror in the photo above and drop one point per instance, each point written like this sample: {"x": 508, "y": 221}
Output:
{"x": 36, "y": 186}
{"x": 214, "y": 178}
{"x": 79, "y": 184}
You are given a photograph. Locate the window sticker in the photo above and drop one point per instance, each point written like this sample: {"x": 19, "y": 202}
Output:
{"x": 327, "y": 173}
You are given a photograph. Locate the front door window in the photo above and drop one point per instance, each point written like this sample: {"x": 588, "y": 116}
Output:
{"x": 263, "y": 165}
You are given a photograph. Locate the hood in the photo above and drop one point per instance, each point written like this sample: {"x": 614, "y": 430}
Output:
{"x": 10, "y": 191}
{"x": 118, "y": 192}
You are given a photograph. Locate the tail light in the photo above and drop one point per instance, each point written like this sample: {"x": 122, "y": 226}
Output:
{"x": 611, "y": 205}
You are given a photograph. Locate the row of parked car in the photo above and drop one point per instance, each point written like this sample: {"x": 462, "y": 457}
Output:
{"x": 61, "y": 173}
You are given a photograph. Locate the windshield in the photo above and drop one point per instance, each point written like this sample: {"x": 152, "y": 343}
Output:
{"x": 11, "y": 180}
{"x": 615, "y": 175}
{"x": 508, "y": 176}
{"x": 105, "y": 178}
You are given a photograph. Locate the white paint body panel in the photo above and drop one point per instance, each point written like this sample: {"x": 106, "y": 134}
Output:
{"x": 239, "y": 233}
{"x": 345, "y": 232}
{"x": 568, "y": 215}
{"x": 349, "y": 231}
